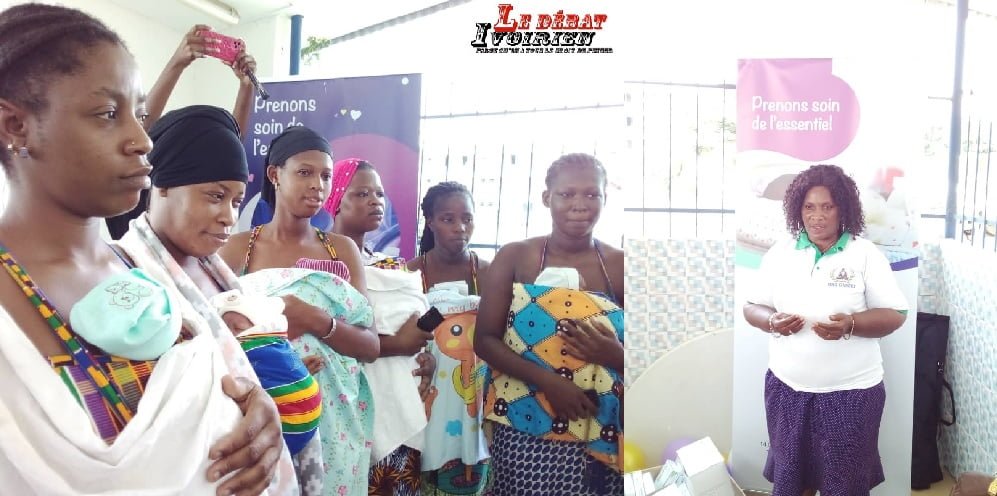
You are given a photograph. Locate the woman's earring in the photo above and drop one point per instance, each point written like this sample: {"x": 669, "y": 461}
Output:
{"x": 21, "y": 151}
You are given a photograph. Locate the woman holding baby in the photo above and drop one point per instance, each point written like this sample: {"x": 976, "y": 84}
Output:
{"x": 87, "y": 419}
{"x": 328, "y": 315}
{"x": 557, "y": 421}
{"x": 198, "y": 184}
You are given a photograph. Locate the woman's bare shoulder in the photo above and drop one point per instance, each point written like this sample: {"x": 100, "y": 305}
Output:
{"x": 337, "y": 238}
{"x": 414, "y": 264}
{"x": 239, "y": 239}
{"x": 612, "y": 253}
{"x": 520, "y": 247}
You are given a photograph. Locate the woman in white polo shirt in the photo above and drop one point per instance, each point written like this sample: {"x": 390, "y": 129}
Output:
{"x": 826, "y": 297}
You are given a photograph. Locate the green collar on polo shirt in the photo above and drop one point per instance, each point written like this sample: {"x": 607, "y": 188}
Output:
{"x": 803, "y": 242}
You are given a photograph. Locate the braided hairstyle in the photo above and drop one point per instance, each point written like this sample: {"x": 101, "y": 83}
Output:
{"x": 38, "y": 44}
{"x": 575, "y": 161}
{"x": 433, "y": 195}
{"x": 844, "y": 192}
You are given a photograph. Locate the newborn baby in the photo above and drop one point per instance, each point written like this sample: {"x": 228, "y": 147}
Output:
{"x": 259, "y": 325}
{"x": 128, "y": 315}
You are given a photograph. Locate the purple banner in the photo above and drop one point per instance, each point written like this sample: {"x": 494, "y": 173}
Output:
{"x": 372, "y": 118}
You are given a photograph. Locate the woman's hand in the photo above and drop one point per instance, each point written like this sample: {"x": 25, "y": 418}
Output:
{"x": 302, "y": 317}
{"x": 592, "y": 342}
{"x": 244, "y": 64}
{"x": 314, "y": 364}
{"x": 193, "y": 46}
{"x": 840, "y": 324}
{"x": 253, "y": 448}
{"x": 972, "y": 484}
{"x": 567, "y": 399}
{"x": 786, "y": 324}
{"x": 410, "y": 339}
{"x": 427, "y": 367}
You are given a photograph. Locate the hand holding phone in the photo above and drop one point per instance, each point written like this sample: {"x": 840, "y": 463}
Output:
{"x": 430, "y": 320}
{"x": 228, "y": 50}
{"x": 228, "y": 47}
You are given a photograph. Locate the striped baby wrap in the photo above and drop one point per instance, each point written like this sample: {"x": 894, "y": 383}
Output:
{"x": 288, "y": 382}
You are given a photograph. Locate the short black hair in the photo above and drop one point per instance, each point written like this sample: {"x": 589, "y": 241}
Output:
{"x": 39, "y": 43}
{"x": 433, "y": 195}
{"x": 844, "y": 193}
{"x": 575, "y": 160}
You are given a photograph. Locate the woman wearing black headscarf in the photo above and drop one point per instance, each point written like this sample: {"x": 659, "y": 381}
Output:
{"x": 199, "y": 179}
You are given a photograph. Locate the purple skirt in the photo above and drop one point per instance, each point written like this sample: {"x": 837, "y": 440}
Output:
{"x": 823, "y": 441}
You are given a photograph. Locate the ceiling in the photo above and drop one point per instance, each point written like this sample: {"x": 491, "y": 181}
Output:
{"x": 335, "y": 18}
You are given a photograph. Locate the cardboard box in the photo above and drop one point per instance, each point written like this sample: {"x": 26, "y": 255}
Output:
{"x": 704, "y": 465}
{"x": 653, "y": 471}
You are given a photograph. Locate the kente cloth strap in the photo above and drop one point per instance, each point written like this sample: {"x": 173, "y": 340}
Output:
{"x": 382, "y": 261}
{"x": 532, "y": 332}
{"x": 255, "y": 233}
{"x": 94, "y": 371}
{"x": 327, "y": 243}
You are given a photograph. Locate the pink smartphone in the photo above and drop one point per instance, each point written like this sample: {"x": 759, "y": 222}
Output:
{"x": 229, "y": 47}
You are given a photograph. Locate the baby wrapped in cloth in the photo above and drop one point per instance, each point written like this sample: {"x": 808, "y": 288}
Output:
{"x": 50, "y": 445}
{"x": 400, "y": 417}
{"x": 260, "y": 327}
{"x": 454, "y": 404}
{"x": 535, "y": 314}
{"x": 347, "y": 419}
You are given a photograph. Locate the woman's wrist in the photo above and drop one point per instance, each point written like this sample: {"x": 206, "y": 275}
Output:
{"x": 178, "y": 64}
{"x": 851, "y": 328}
{"x": 321, "y": 322}
{"x": 616, "y": 357}
{"x": 547, "y": 379}
{"x": 332, "y": 329}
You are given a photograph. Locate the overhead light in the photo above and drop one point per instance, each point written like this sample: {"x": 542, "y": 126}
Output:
{"x": 219, "y": 10}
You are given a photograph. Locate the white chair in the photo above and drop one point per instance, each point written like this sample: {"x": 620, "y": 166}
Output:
{"x": 687, "y": 393}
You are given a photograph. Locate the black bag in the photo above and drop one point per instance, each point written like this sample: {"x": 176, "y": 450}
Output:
{"x": 929, "y": 381}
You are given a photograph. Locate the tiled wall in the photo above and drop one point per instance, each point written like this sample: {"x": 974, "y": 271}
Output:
{"x": 968, "y": 290}
{"x": 680, "y": 289}
{"x": 676, "y": 290}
